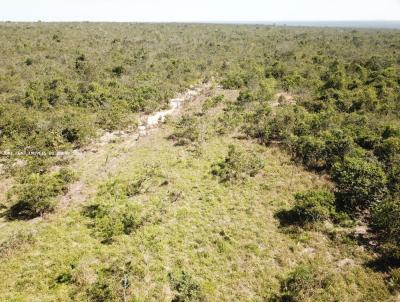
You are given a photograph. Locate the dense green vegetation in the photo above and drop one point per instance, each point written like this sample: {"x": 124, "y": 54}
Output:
{"x": 34, "y": 194}
{"x": 209, "y": 209}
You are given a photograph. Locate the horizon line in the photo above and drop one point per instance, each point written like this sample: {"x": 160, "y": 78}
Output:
{"x": 201, "y": 21}
{"x": 348, "y": 24}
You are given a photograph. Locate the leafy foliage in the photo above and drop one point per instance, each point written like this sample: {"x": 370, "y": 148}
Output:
{"x": 359, "y": 183}
{"x": 186, "y": 288}
{"x": 188, "y": 130}
{"x": 313, "y": 206}
{"x": 386, "y": 221}
{"x": 112, "y": 219}
{"x": 35, "y": 195}
{"x": 237, "y": 165}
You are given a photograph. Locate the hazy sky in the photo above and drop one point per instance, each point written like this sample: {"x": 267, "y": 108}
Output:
{"x": 198, "y": 10}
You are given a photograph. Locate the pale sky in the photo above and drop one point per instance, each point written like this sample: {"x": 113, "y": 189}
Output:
{"x": 198, "y": 10}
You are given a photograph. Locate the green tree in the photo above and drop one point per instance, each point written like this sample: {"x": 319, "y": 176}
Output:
{"x": 359, "y": 182}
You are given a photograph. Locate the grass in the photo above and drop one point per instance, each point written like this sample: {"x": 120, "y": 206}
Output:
{"x": 223, "y": 236}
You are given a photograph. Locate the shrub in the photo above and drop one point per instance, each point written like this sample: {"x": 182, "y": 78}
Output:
{"x": 367, "y": 139}
{"x": 258, "y": 124}
{"x": 386, "y": 221}
{"x": 28, "y": 61}
{"x": 338, "y": 145}
{"x": 149, "y": 176}
{"x": 388, "y": 150}
{"x": 187, "y": 130}
{"x": 267, "y": 88}
{"x": 110, "y": 219}
{"x": 118, "y": 70}
{"x": 245, "y": 97}
{"x": 390, "y": 131}
{"x": 303, "y": 284}
{"x": 394, "y": 281}
{"x": 233, "y": 80}
{"x": 145, "y": 98}
{"x": 394, "y": 178}
{"x": 237, "y": 165}
{"x": 101, "y": 291}
{"x": 76, "y": 128}
{"x": 15, "y": 241}
{"x": 228, "y": 122}
{"x": 359, "y": 182}
{"x": 115, "y": 116}
{"x": 318, "y": 282}
{"x": 211, "y": 102}
{"x": 314, "y": 205}
{"x": 186, "y": 288}
{"x": 311, "y": 151}
{"x": 34, "y": 196}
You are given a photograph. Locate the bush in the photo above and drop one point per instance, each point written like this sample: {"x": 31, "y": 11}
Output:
{"x": 386, "y": 221}
{"x": 258, "y": 124}
{"x": 187, "y": 130}
{"x": 28, "y": 61}
{"x": 388, "y": 150}
{"x": 314, "y": 205}
{"x": 237, "y": 165}
{"x": 245, "y": 97}
{"x": 318, "y": 282}
{"x": 150, "y": 176}
{"x": 115, "y": 116}
{"x": 359, "y": 182}
{"x": 186, "y": 288}
{"x": 390, "y": 131}
{"x": 227, "y": 122}
{"x": 34, "y": 196}
{"x": 394, "y": 281}
{"x": 267, "y": 89}
{"x": 233, "y": 80}
{"x": 15, "y": 241}
{"x": 211, "y": 103}
{"x": 118, "y": 70}
{"x": 394, "y": 178}
{"x": 101, "y": 291}
{"x": 76, "y": 127}
{"x": 311, "y": 151}
{"x": 302, "y": 284}
{"x": 338, "y": 145}
{"x": 109, "y": 220}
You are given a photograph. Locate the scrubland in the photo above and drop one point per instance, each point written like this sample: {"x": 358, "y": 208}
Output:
{"x": 278, "y": 183}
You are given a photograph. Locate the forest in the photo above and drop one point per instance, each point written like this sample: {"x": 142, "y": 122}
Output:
{"x": 280, "y": 181}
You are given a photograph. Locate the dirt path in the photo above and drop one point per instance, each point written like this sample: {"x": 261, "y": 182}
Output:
{"x": 102, "y": 158}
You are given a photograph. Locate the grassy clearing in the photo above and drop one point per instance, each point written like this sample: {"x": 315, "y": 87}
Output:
{"x": 198, "y": 239}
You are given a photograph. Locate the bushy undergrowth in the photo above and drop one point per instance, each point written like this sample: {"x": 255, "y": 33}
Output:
{"x": 345, "y": 121}
{"x": 359, "y": 183}
{"x": 319, "y": 282}
{"x": 211, "y": 103}
{"x": 237, "y": 165}
{"x": 149, "y": 177}
{"x": 186, "y": 289}
{"x": 386, "y": 221}
{"x": 189, "y": 130}
{"x": 35, "y": 194}
{"x": 114, "y": 211}
{"x": 314, "y": 205}
{"x": 110, "y": 218}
